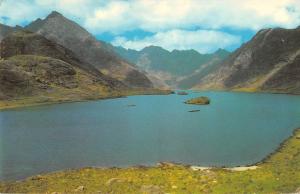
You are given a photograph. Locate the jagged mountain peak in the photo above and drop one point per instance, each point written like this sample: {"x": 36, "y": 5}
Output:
{"x": 87, "y": 48}
{"x": 56, "y": 23}
{"x": 55, "y": 14}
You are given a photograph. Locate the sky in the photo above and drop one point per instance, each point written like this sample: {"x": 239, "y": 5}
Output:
{"x": 202, "y": 25}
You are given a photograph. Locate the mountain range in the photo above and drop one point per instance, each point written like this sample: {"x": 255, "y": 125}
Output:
{"x": 269, "y": 62}
{"x": 57, "y": 60}
{"x": 178, "y": 68}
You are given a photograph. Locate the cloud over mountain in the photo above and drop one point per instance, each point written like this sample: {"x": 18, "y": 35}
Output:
{"x": 159, "y": 17}
{"x": 204, "y": 41}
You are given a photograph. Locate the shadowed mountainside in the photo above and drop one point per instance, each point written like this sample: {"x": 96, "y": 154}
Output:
{"x": 6, "y": 30}
{"x": 88, "y": 49}
{"x": 269, "y": 62}
{"x": 33, "y": 65}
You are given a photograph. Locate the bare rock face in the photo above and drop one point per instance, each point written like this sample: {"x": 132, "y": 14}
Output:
{"x": 286, "y": 79}
{"x": 88, "y": 49}
{"x": 13, "y": 83}
{"x": 27, "y": 75}
{"x": 268, "y": 62}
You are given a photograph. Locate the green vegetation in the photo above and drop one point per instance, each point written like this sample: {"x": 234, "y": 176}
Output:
{"x": 278, "y": 173}
{"x": 198, "y": 101}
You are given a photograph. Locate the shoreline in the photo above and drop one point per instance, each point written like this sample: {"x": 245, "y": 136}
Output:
{"x": 245, "y": 91}
{"x": 253, "y": 166}
{"x": 31, "y": 102}
{"x": 279, "y": 169}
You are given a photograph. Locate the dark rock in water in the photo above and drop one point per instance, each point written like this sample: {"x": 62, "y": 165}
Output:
{"x": 131, "y": 105}
{"x": 194, "y": 110}
{"x": 198, "y": 101}
{"x": 182, "y": 93}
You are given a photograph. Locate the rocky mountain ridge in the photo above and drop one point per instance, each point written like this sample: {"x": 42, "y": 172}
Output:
{"x": 269, "y": 62}
{"x": 178, "y": 68}
{"x": 88, "y": 49}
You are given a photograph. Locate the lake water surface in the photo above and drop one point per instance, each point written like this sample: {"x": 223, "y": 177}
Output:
{"x": 235, "y": 129}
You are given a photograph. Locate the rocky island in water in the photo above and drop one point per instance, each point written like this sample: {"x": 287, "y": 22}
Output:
{"x": 198, "y": 101}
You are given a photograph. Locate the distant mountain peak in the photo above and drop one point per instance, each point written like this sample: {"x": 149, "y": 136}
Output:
{"x": 221, "y": 51}
{"x": 191, "y": 51}
{"x": 54, "y": 14}
{"x": 153, "y": 47}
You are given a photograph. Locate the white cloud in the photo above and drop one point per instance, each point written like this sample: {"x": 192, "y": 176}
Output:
{"x": 158, "y": 15}
{"x": 170, "y": 21}
{"x": 204, "y": 41}
{"x": 118, "y": 16}
{"x": 24, "y": 11}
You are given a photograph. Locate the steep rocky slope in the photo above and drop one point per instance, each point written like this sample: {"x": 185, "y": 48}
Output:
{"x": 88, "y": 49}
{"x": 6, "y": 30}
{"x": 33, "y": 66}
{"x": 268, "y": 62}
{"x": 179, "y": 68}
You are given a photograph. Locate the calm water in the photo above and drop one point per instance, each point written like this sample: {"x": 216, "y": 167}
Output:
{"x": 236, "y": 129}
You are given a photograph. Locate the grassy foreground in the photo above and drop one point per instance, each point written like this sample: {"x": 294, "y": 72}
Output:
{"x": 278, "y": 173}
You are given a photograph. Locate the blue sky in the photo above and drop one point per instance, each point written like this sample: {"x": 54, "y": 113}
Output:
{"x": 203, "y": 25}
